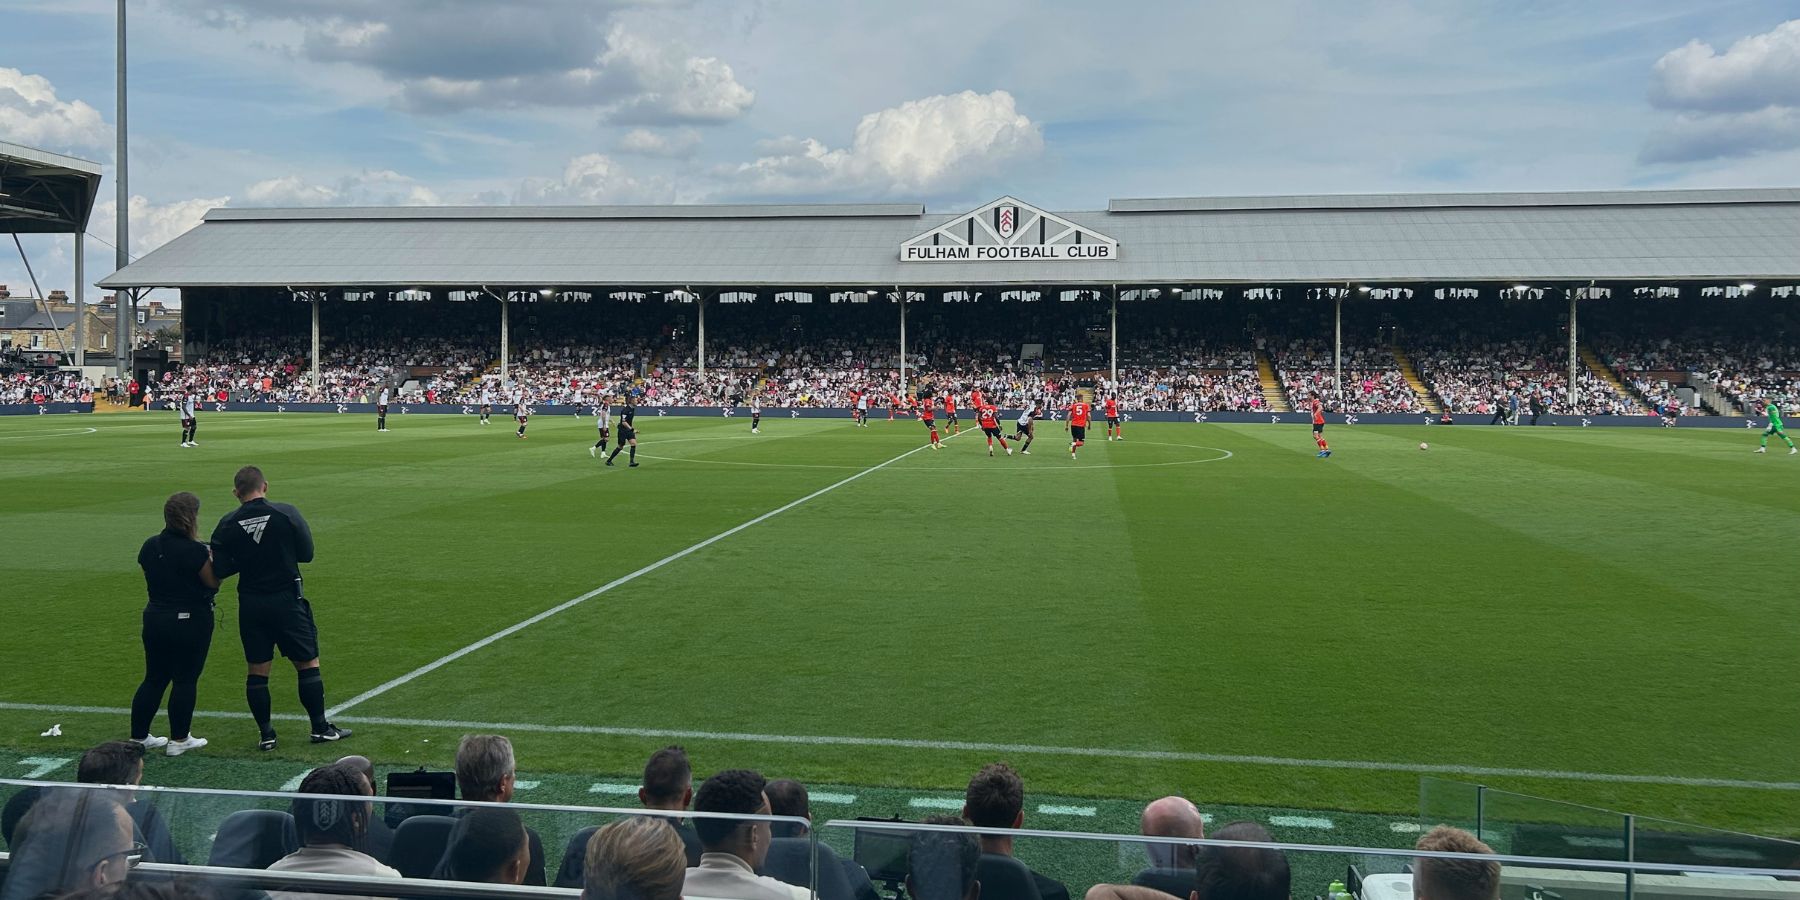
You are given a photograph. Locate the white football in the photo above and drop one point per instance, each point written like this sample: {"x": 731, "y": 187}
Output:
{"x": 1424, "y": 446}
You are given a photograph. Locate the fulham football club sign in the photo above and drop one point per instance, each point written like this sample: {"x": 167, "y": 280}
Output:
{"x": 1009, "y": 231}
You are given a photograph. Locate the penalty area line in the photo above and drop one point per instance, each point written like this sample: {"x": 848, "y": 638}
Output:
{"x": 977, "y": 747}
{"x": 566, "y": 605}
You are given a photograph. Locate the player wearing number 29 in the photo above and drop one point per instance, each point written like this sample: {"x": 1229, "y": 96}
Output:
{"x": 989, "y": 418}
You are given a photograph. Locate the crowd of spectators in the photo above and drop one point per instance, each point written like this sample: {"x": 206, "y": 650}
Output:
{"x": 1372, "y": 381}
{"x": 749, "y": 841}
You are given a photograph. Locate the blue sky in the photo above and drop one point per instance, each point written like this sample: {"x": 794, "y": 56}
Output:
{"x": 335, "y": 102}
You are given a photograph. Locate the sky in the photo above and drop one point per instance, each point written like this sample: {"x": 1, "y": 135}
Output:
{"x": 1064, "y": 105}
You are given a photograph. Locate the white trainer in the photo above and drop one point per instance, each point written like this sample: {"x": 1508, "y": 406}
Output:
{"x": 194, "y": 742}
{"x": 152, "y": 742}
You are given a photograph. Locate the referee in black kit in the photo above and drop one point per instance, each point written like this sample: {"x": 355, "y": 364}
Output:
{"x": 263, "y": 544}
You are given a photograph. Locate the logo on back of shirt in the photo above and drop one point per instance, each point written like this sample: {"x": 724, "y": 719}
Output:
{"x": 254, "y": 527}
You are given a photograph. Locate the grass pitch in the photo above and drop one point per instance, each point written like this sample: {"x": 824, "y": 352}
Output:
{"x": 1602, "y": 602}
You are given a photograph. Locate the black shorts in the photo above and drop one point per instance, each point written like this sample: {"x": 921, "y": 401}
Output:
{"x": 381, "y": 410}
{"x": 266, "y": 624}
{"x": 928, "y": 423}
{"x": 486, "y": 408}
{"x": 187, "y": 422}
{"x": 1112, "y": 420}
{"x": 627, "y": 433}
{"x": 603, "y": 431}
{"x": 1026, "y": 427}
{"x": 991, "y": 432}
{"x": 951, "y": 415}
{"x": 1318, "y": 428}
{"x": 1078, "y": 432}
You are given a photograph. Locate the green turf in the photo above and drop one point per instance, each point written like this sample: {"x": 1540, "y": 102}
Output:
{"x": 1594, "y": 600}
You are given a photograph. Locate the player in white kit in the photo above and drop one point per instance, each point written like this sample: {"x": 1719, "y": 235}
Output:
{"x": 487, "y": 402}
{"x": 603, "y": 420}
{"x": 188, "y": 424}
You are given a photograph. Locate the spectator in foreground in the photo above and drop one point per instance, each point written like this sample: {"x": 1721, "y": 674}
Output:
{"x": 486, "y": 846}
{"x": 331, "y": 829}
{"x": 941, "y": 864}
{"x": 122, "y": 763}
{"x": 14, "y": 812}
{"x": 640, "y": 858}
{"x": 735, "y": 849}
{"x": 788, "y": 797}
{"x": 996, "y": 799}
{"x": 485, "y": 772}
{"x": 668, "y": 786}
{"x": 71, "y": 840}
{"x": 1222, "y": 873}
{"x": 380, "y": 840}
{"x": 1454, "y": 879}
{"x": 1171, "y": 865}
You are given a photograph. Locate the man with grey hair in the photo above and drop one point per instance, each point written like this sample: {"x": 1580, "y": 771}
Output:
{"x": 485, "y": 773}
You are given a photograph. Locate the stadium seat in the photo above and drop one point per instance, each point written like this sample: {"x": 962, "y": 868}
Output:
{"x": 789, "y": 861}
{"x": 419, "y": 843}
{"x": 1005, "y": 878}
{"x": 253, "y": 839}
{"x": 570, "y": 875}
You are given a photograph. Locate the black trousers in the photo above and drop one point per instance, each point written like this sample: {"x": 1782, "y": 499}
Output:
{"x": 175, "y": 647}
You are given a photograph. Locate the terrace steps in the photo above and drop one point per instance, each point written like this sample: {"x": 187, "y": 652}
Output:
{"x": 1606, "y": 373}
{"x": 1417, "y": 383}
{"x": 1274, "y": 395}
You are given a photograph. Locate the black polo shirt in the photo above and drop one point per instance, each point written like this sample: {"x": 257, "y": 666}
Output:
{"x": 172, "y": 562}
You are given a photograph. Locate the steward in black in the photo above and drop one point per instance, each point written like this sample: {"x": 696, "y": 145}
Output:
{"x": 264, "y": 544}
{"x": 178, "y": 624}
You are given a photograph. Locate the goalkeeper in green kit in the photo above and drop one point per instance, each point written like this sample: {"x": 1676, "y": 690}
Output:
{"x": 1773, "y": 411}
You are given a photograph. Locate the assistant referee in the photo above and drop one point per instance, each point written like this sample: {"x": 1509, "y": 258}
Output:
{"x": 263, "y": 544}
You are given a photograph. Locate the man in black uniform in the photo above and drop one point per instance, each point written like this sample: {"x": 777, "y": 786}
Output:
{"x": 263, "y": 544}
{"x": 627, "y": 432}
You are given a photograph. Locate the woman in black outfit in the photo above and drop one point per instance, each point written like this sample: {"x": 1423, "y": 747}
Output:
{"x": 178, "y": 625}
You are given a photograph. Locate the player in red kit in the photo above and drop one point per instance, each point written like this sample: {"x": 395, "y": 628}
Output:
{"x": 1078, "y": 425}
{"x": 1114, "y": 430}
{"x": 1318, "y": 411}
{"x": 929, "y": 417}
{"x": 989, "y": 418}
{"x": 975, "y": 398}
{"x": 950, "y": 412}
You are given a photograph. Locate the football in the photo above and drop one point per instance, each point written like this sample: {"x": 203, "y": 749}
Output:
{"x": 1424, "y": 446}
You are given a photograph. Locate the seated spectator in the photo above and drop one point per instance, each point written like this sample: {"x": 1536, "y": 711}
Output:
{"x": 1222, "y": 873}
{"x": 71, "y": 840}
{"x": 122, "y": 763}
{"x": 996, "y": 799}
{"x": 795, "y": 865}
{"x": 380, "y": 840}
{"x": 487, "y": 846}
{"x": 668, "y": 785}
{"x": 1171, "y": 865}
{"x": 940, "y": 865}
{"x": 331, "y": 829}
{"x": 1454, "y": 879}
{"x": 16, "y": 807}
{"x": 485, "y": 772}
{"x": 640, "y": 858}
{"x": 735, "y": 849}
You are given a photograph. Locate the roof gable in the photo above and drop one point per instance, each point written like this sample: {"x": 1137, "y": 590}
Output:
{"x": 1008, "y": 229}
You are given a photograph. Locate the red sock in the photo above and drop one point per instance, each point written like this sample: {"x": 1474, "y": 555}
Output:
{"x": 934, "y": 437}
{"x": 1322, "y": 444}
{"x": 1003, "y": 443}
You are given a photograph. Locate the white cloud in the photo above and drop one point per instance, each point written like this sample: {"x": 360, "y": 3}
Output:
{"x": 593, "y": 178}
{"x": 923, "y": 146}
{"x": 660, "y": 144}
{"x": 450, "y": 56}
{"x": 366, "y": 188}
{"x": 1743, "y": 102}
{"x": 1757, "y": 71}
{"x": 153, "y": 224}
{"x": 32, "y": 114}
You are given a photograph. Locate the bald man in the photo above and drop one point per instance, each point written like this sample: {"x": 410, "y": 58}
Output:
{"x": 1171, "y": 865}
{"x": 379, "y": 840}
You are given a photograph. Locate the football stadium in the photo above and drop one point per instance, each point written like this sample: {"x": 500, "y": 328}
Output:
{"x": 1340, "y": 545}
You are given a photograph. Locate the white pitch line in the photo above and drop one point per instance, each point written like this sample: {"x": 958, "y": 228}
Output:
{"x": 978, "y": 747}
{"x": 934, "y": 803}
{"x": 1301, "y": 822}
{"x": 293, "y": 784}
{"x": 447, "y": 659}
{"x": 525, "y": 785}
{"x": 614, "y": 789}
{"x": 838, "y": 799}
{"x": 1067, "y": 810}
{"x": 1405, "y": 828}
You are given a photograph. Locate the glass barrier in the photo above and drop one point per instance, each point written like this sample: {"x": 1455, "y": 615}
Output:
{"x": 52, "y": 830}
{"x": 937, "y": 862}
{"x": 1665, "y": 841}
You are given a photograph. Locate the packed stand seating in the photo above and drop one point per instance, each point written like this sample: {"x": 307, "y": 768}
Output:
{"x": 49, "y": 387}
{"x": 1372, "y": 382}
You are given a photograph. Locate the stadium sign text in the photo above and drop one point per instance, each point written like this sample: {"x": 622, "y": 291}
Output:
{"x": 1007, "y": 230}
{"x": 965, "y": 253}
